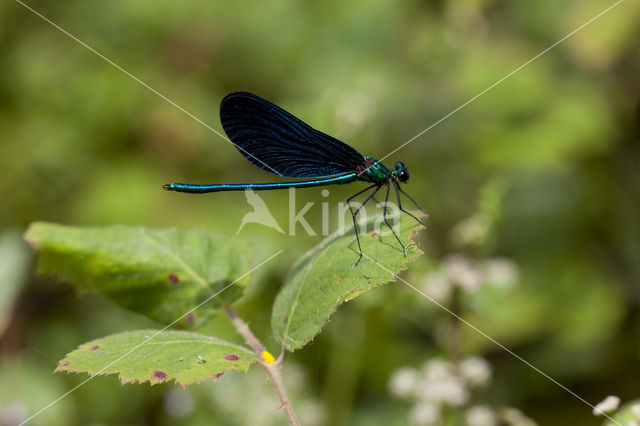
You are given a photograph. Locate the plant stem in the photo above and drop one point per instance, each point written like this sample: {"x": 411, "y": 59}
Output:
{"x": 272, "y": 369}
{"x": 244, "y": 330}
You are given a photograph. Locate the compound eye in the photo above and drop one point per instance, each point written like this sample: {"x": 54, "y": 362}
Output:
{"x": 399, "y": 166}
{"x": 403, "y": 175}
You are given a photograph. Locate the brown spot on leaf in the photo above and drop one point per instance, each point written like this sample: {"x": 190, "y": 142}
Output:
{"x": 374, "y": 234}
{"x": 217, "y": 376}
{"x": 160, "y": 375}
{"x": 64, "y": 364}
{"x": 94, "y": 347}
{"x": 340, "y": 279}
{"x": 191, "y": 317}
{"x": 173, "y": 278}
{"x": 285, "y": 320}
{"x": 231, "y": 357}
{"x": 414, "y": 233}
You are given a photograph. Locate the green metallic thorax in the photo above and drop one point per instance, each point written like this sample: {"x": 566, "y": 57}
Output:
{"x": 373, "y": 171}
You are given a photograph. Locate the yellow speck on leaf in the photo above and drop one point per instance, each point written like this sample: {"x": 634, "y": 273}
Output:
{"x": 268, "y": 358}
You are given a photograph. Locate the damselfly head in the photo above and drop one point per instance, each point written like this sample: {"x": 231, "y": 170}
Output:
{"x": 402, "y": 173}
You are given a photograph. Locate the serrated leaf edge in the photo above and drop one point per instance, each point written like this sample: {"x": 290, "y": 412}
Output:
{"x": 61, "y": 368}
{"x": 330, "y": 240}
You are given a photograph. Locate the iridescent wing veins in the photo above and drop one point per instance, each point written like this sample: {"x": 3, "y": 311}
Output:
{"x": 282, "y": 144}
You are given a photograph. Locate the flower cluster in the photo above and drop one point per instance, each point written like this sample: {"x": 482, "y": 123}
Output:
{"x": 440, "y": 385}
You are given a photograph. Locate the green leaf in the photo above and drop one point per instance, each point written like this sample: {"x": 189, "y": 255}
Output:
{"x": 159, "y": 273}
{"x": 327, "y": 276}
{"x": 142, "y": 356}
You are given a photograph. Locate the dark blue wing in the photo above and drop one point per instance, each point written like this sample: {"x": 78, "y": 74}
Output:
{"x": 280, "y": 143}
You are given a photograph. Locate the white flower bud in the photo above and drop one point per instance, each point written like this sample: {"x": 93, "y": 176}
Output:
{"x": 437, "y": 370}
{"x": 404, "y": 382}
{"x": 476, "y": 371}
{"x": 440, "y": 385}
{"x": 452, "y": 392}
{"x": 480, "y": 415}
{"x": 607, "y": 405}
{"x": 425, "y": 414}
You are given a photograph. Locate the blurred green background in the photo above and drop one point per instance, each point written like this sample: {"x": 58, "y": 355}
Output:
{"x": 543, "y": 172}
